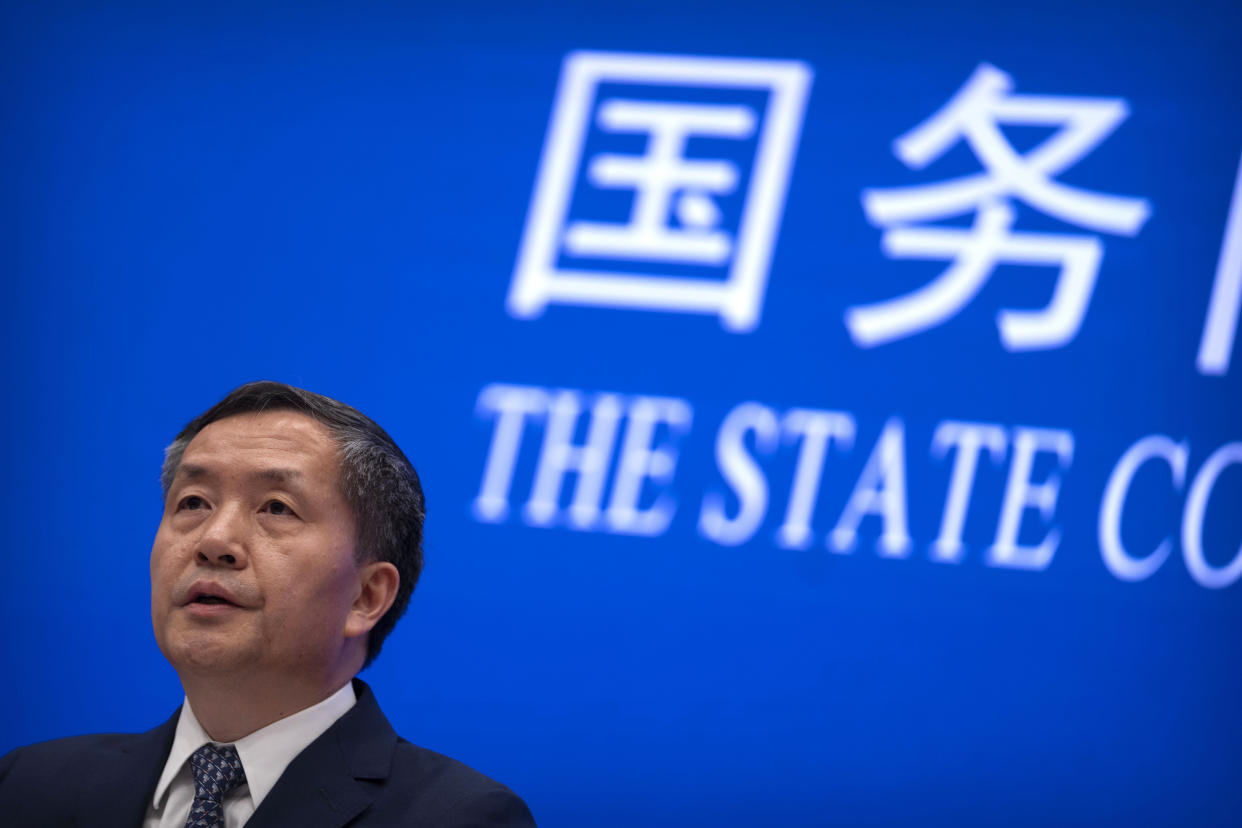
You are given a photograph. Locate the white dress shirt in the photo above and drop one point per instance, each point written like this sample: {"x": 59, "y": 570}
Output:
{"x": 264, "y": 756}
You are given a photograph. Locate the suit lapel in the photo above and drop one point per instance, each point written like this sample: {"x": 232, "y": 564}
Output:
{"x": 122, "y": 779}
{"x": 338, "y": 775}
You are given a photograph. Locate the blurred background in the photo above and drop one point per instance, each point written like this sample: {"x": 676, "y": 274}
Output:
{"x": 717, "y": 533}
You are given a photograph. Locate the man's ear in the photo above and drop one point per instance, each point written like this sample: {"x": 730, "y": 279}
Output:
{"x": 378, "y": 582}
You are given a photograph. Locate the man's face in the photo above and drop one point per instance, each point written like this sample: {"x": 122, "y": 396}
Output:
{"x": 253, "y": 567}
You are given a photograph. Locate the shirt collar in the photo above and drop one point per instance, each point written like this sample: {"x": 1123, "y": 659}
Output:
{"x": 265, "y": 753}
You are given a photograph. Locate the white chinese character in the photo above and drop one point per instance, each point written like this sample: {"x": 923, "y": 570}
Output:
{"x": 674, "y": 219}
{"x": 975, "y": 115}
{"x": 1221, "y": 325}
{"x": 656, "y": 177}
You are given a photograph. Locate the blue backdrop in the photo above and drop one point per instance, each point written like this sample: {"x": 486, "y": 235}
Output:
{"x": 717, "y": 535}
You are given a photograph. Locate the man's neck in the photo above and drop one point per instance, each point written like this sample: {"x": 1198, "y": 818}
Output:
{"x": 229, "y": 709}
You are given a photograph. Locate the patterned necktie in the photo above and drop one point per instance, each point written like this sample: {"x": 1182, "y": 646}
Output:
{"x": 217, "y": 770}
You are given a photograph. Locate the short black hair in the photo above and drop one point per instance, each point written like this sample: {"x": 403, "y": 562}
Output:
{"x": 376, "y": 479}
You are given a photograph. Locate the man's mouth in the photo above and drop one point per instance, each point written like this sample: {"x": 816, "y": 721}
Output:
{"x": 210, "y": 595}
{"x": 211, "y": 599}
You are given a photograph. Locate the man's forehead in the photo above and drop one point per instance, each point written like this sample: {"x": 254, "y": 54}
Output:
{"x": 276, "y": 474}
{"x": 280, "y": 445}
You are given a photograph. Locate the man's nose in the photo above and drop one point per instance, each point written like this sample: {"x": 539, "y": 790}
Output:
{"x": 223, "y": 540}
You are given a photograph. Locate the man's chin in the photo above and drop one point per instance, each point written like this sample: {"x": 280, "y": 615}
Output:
{"x": 206, "y": 654}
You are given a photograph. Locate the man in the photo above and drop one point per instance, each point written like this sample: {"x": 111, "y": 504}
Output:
{"x": 289, "y": 546}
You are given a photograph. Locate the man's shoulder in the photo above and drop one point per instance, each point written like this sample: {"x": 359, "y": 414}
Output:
{"x": 44, "y": 782}
{"x": 442, "y": 771}
{"x": 51, "y": 783}
{"x": 362, "y": 764}
{"x": 57, "y": 753}
{"x": 452, "y": 792}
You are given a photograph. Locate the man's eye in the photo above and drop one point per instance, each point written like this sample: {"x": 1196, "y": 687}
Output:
{"x": 278, "y": 507}
{"x": 192, "y": 502}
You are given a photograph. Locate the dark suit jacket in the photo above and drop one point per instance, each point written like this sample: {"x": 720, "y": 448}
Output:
{"x": 359, "y": 772}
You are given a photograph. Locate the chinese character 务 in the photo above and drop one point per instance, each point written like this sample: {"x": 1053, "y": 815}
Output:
{"x": 975, "y": 115}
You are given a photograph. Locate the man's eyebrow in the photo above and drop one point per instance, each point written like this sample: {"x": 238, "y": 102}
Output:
{"x": 192, "y": 471}
{"x": 279, "y": 475}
